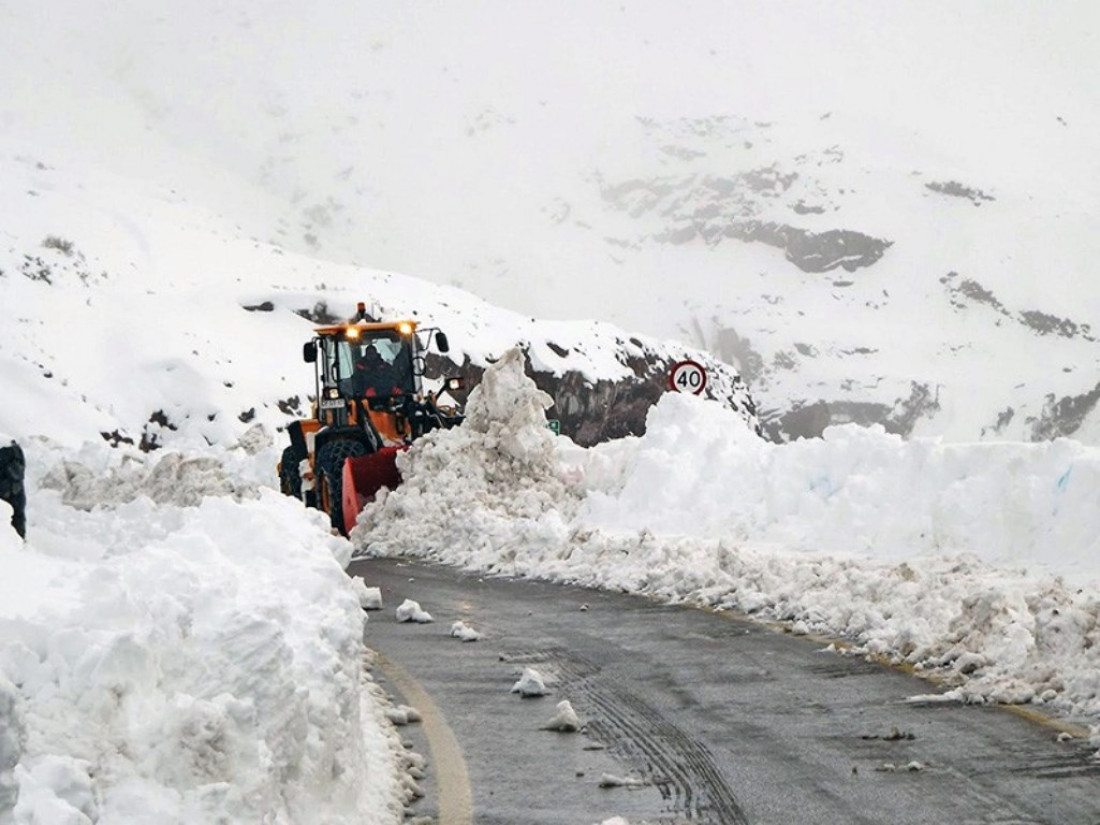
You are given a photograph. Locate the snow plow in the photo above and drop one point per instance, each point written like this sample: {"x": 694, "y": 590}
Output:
{"x": 369, "y": 405}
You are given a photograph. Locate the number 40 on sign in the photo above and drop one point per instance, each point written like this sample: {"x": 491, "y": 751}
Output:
{"x": 688, "y": 376}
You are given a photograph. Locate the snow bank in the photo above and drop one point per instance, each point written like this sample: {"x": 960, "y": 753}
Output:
{"x": 856, "y": 491}
{"x": 978, "y": 563}
{"x": 186, "y": 664}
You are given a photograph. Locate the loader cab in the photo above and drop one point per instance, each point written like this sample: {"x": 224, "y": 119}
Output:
{"x": 369, "y": 370}
{"x": 376, "y": 365}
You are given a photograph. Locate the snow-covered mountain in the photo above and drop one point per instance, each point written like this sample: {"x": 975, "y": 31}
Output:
{"x": 105, "y": 276}
{"x": 875, "y": 213}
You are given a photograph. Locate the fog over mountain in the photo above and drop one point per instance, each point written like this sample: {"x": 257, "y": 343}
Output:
{"x": 876, "y": 211}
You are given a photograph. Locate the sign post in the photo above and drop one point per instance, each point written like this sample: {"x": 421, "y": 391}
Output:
{"x": 687, "y": 376}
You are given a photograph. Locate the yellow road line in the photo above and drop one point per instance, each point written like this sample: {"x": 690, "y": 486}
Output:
{"x": 455, "y": 799}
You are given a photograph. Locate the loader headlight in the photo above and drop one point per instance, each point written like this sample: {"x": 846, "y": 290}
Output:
{"x": 352, "y": 333}
{"x": 333, "y": 392}
{"x": 405, "y": 328}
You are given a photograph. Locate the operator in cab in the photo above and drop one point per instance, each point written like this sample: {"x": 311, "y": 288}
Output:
{"x": 375, "y": 376}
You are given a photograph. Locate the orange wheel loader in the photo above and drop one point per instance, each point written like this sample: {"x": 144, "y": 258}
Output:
{"x": 369, "y": 405}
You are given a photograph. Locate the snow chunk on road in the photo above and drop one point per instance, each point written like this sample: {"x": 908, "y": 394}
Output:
{"x": 410, "y": 611}
{"x": 463, "y": 631}
{"x": 402, "y": 715}
{"x": 530, "y": 684}
{"x": 565, "y": 720}
{"x": 370, "y": 598}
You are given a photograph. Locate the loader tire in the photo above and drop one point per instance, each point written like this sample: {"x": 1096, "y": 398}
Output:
{"x": 331, "y": 458}
{"x": 290, "y": 481}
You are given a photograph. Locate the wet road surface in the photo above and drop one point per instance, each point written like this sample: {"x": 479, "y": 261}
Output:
{"x": 725, "y": 721}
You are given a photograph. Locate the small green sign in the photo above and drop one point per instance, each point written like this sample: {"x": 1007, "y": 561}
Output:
{"x": 555, "y": 425}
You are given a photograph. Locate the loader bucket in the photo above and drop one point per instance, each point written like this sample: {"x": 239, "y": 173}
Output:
{"x": 364, "y": 476}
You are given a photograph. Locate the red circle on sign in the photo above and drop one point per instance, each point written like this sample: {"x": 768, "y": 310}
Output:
{"x": 688, "y": 376}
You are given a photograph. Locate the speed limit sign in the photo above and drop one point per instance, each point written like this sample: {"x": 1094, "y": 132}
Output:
{"x": 688, "y": 376}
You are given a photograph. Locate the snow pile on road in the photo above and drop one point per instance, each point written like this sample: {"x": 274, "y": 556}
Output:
{"x": 978, "y": 563}
{"x": 162, "y": 663}
{"x": 489, "y": 492}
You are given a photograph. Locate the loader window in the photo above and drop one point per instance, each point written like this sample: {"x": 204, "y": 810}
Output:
{"x": 379, "y": 364}
{"x": 341, "y": 361}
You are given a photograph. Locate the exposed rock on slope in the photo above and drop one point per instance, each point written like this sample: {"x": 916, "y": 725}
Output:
{"x": 591, "y": 410}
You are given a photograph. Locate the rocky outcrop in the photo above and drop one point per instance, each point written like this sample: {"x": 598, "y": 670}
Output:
{"x": 810, "y": 420}
{"x": 12, "y": 490}
{"x": 954, "y": 189}
{"x": 966, "y": 292}
{"x": 1062, "y": 417}
{"x": 696, "y": 204}
{"x": 814, "y": 251}
{"x": 711, "y": 209}
{"x": 594, "y": 410}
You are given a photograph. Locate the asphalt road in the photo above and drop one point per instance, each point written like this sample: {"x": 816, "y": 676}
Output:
{"x": 725, "y": 721}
